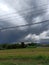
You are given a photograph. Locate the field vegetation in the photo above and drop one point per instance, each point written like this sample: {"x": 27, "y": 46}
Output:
{"x": 31, "y": 54}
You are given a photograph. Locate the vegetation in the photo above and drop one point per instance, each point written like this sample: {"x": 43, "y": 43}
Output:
{"x": 17, "y": 45}
{"x": 25, "y": 56}
{"x": 21, "y": 45}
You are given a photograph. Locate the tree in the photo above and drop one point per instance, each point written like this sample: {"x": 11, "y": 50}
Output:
{"x": 22, "y": 45}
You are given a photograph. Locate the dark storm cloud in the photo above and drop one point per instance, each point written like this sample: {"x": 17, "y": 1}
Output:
{"x": 21, "y": 12}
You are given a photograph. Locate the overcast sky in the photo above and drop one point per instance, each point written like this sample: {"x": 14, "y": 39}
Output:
{"x": 22, "y": 12}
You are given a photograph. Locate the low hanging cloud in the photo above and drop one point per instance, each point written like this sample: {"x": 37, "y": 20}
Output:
{"x": 38, "y": 38}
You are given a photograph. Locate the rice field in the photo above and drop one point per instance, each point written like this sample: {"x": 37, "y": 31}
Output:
{"x": 25, "y": 56}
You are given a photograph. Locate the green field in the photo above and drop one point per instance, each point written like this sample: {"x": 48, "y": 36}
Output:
{"x": 25, "y": 56}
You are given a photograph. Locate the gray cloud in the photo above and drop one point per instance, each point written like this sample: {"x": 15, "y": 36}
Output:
{"x": 24, "y": 12}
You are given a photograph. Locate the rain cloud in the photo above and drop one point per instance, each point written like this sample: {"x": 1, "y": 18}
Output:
{"x": 21, "y": 12}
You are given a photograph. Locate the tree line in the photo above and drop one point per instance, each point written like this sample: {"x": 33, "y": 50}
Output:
{"x": 21, "y": 45}
{"x": 17, "y": 45}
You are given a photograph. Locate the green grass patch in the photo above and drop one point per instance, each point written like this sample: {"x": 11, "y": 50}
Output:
{"x": 26, "y": 56}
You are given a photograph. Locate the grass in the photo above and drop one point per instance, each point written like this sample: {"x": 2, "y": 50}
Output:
{"x": 21, "y": 64}
{"x": 26, "y": 56}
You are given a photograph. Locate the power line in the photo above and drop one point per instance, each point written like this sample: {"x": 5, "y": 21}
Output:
{"x": 26, "y": 24}
{"x": 5, "y": 28}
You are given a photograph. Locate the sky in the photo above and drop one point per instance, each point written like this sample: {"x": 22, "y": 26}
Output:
{"x": 21, "y": 12}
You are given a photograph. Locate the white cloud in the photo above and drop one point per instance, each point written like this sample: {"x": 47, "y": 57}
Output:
{"x": 3, "y": 7}
{"x": 32, "y": 37}
{"x": 38, "y": 38}
{"x": 37, "y": 19}
{"x": 29, "y": 36}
